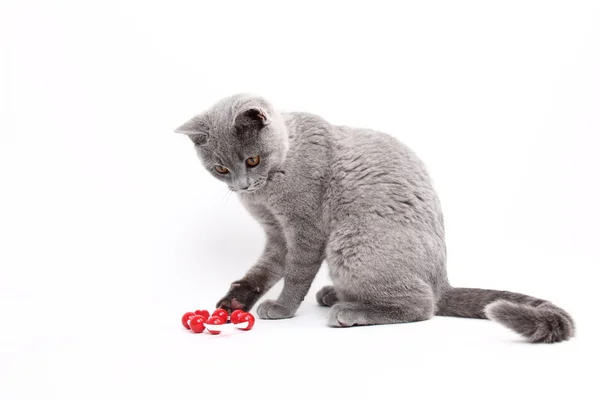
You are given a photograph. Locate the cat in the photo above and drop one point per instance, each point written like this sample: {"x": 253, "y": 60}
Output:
{"x": 357, "y": 198}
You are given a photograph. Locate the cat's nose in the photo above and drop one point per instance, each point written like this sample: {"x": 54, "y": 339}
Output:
{"x": 242, "y": 183}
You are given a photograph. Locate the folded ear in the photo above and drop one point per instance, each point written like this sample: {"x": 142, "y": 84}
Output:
{"x": 196, "y": 129}
{"x": 252, "y": 118}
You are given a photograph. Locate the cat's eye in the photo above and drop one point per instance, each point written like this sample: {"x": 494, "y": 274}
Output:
{"x": 221, "y": 169}
{"x": 253, "y": 161}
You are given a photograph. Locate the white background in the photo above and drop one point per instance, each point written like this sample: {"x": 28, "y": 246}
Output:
{"x": 110, "y": 229}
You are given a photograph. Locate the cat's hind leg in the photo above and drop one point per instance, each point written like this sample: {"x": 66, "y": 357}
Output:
{"x": 413, "y": 307}
{"x": 385, "y": 270}
{"x": 327, "y": 296}
{"x": 379, "y": 279}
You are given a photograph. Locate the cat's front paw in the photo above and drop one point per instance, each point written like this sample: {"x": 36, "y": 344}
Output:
{"x": 270, "y": 309}
{"x": 241, "y": 296}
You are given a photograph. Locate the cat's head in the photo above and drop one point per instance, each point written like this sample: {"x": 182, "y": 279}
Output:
{"x": 240, "y": 140}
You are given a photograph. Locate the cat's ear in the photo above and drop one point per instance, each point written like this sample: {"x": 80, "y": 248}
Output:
{"x": 196, "y": 129}
{"x": 253, "y": 118}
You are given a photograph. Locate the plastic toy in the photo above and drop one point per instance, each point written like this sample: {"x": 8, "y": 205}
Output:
{"x": 245, "y": 321}
{"x": 213, "y": 325}
{"x": 199, "y": 320}
{"x": 196, "y": 323}
{"x": 219, "y": 312}
{"x": 186, "y": 318}
{"x": 235, "y": 316}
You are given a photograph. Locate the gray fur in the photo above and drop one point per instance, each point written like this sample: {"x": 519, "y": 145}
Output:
{"x": 359, "y": 199}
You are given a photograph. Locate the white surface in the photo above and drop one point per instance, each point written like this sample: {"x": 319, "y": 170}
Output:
{"x": 110, "y": 230}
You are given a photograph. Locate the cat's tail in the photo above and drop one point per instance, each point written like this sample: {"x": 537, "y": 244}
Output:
{"x": 535, "y": 319}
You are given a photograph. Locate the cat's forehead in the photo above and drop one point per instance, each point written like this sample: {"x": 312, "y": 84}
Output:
{"x": 232, "y": 142}
{"x": 228, "y": 144}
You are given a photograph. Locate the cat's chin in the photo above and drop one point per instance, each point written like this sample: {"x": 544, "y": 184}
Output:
{"x": 246, "y": 191}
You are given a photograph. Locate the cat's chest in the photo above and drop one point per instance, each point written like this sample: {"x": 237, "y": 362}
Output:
{"x": 285, "y": 198}
{"x": 276, "y": 195}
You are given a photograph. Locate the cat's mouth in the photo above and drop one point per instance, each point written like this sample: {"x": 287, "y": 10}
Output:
{"x": 253, "y": 188}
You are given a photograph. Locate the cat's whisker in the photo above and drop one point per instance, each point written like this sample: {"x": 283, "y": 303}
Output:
{"x": 228, "y": 197}
{"x": 225, "y": 195}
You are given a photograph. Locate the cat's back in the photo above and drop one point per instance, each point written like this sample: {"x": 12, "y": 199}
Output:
{"x": 365, "y": 167}
{"x": 379, "y": 175}
{"x": 361, "y": 171}
{"x": 351, "y": 144}
{"x": 379, "y": 153}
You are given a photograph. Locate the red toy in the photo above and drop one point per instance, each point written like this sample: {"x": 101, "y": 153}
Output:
{"x": 246, "y": 321}
{"x": 219, "y": 312}
{"x": 235, "y": 316}
{"x": 213, "y": 325}
{"x": 197, "y": 323}
{"x": 204, "y": 313}
{"x": 200, "y": 320}
{"x": 185, "y": 319}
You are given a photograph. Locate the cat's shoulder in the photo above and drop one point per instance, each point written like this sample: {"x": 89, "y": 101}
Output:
{"x": 301, "y": 121}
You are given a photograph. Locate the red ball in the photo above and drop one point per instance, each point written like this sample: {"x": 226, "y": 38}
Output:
{"x": 204, "y": 313}
{"x": 246, "y": 317}
{"x": 197, "y": 323}
{"x": 219, "y": 312}
{"x": 235, "y": 316}
{"x": 214, "y": 320}
{"x": 185, "y": 319}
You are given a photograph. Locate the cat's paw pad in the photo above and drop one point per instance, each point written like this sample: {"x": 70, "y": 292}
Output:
{"x": 341, "y": 316}
{"x": 327, "y": 296}
{"x": 270, "y": 309}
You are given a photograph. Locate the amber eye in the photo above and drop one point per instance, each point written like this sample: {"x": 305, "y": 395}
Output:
{"x": 220, "y": 169}
{"x": 253, "y": 161}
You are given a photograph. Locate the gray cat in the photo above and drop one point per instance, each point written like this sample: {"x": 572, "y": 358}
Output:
{"x": 358, "y": 199}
